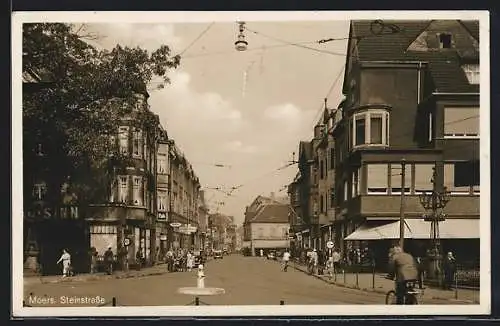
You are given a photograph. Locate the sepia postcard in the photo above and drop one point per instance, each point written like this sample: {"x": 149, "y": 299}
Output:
{"x": 250, "y": 163}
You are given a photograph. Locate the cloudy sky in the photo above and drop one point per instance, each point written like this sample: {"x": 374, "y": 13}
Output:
{"x": 247, "y": 110}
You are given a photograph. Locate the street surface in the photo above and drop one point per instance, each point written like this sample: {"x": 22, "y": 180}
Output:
{"x": 246, "y": 280}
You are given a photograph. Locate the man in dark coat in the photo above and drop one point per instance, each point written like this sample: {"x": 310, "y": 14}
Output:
{"x": 108, "y": 260}
{"x": 449, "y": 270}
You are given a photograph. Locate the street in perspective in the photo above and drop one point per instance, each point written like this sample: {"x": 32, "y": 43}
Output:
{"x": 322, "y": 162}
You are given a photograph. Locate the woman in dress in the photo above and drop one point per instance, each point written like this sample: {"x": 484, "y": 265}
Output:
{"x": 66, "y": 262}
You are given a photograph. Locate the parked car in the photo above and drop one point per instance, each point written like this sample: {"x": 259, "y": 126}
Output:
{"x": 218, "y": 254}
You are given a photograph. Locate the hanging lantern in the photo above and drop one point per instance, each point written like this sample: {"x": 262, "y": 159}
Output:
{"x": 241, "y": 44}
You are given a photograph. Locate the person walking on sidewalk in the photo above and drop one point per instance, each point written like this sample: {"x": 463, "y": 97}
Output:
{"x": 449, "y": 270}
{"x": 421, "y": 271}
{"x": 66, "y": 263}
{"x": 404, "y": 268}
{"x": 189, "y": 261}
{"x": 336, "y": 261}
{"x": 170, "y": 260}
{"x": 108, "y": 261}
{"x": 286, "y": 260}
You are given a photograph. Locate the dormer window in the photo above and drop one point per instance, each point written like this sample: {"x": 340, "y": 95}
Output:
{"x": 472, "y": 73}
{"x": 445, "y": 41}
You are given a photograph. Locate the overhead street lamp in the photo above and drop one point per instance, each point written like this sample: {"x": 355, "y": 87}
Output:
{"x": 435, "y": 201}
{"x": 241, "y": 44}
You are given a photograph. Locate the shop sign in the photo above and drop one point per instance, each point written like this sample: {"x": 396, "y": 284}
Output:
{"x": 126, "y": 242}
{"x": 175, "y": 224}
{"x": 329, "y": 245}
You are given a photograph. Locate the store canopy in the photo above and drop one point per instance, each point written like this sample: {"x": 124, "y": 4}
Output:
{"x": 419, "y": 229}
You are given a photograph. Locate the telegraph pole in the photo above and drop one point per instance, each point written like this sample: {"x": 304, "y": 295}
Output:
{"x": 402, "y": 207}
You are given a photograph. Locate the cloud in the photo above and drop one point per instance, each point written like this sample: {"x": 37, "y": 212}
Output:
{"x": 239, "y": 147}
{"x": 288, "y": 115}
{"x": 195, "y": 119}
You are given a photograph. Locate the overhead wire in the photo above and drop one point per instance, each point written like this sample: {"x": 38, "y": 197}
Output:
{"x": 196, "y": 39}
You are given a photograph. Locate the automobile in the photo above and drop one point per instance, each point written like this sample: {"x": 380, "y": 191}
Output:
{"x": 271, "y": 255}
{"x": 225, "y": 251}
{"x": 218, "y": 254}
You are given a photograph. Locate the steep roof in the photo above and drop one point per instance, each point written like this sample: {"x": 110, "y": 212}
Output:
{"x": 272, "y": 213}
{"x": 444, "y": 66}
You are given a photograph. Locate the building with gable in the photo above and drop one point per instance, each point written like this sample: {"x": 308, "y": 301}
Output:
{"x": 411, "y": 95}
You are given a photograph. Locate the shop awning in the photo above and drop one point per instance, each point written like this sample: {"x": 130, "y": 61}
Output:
{"x": 419, "y": 229}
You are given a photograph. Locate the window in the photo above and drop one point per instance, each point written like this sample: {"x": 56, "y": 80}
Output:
{"x": 461, "y": 122}
{"x": 423, "y": 177}
{"x": 321, "y": 207}
{"x": 332, "y": 158}
{"x": 162, "y": 163}
{"x": 462, "y": 177}
{"x": 162, "y": 201}
{"x": 39, "y": 191}
{"x": 321, "y": 170}
{"x": 137, "y": 191}
{"x": 123, "y": 140}
{"x": 137, "y": 144}
{"x": 431, "y": 135}
{"x": 472, "y": 73}
{"x": 332, "y": 198}
{"x": 315, "y": 207}
{"x": 377, "y": 178}
{"x": 346, "y": 191}
{"x": 371, "y": 128}
{"x": 123, "y": 189}
{"x": 445, "y": 41}
{"x": 396, "y": 174}
{"x": 360, "y": 126}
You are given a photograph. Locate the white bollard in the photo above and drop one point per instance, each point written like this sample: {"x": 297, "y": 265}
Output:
{"x": 201, "y": 277}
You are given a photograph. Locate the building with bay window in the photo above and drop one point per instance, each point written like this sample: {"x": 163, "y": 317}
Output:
{"x": 411, "y": 96}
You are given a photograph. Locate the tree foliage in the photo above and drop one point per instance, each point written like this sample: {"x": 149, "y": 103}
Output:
{"x": 77, "y": 102}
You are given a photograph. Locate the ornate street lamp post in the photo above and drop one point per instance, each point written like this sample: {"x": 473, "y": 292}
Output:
{"x": 435, "y": 201}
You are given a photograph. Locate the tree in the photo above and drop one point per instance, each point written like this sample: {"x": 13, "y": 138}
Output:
{"x": 75, "y": 102}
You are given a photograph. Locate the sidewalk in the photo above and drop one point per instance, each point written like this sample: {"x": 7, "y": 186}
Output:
{"x": 379, "y": 284}
{"x": 146, "y": 271}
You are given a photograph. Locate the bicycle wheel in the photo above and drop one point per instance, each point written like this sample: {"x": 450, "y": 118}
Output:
{"x": 411, "y": 299}
{"x": 390, "y": 297}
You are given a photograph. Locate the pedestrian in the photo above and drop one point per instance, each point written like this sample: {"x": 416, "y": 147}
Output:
{"x": 330, "y": 267}
{"x": 93, "y": 260}
{"x": 108, "y": 260}
{"x": 170, "y": 260}
{"x": 189, "y": 261}
{"x": 336, "y": 261}
{"x": 403, "y": 267}
{"x": 314, "y": 261}
{"x": 123, "y": 258}
{"x": 449, "y": 270}
{"x": 261, "y": 252}
{"x": 286, "y": 259}
{"x": 138, "y": 260}
{"x": 66, "y": 262}
{"x": 421, "y": 271}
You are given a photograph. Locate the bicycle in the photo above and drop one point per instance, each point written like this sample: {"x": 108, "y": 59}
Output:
{"x": 410, "y": 296}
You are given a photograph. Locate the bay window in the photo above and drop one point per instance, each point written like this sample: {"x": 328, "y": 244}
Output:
{"x": 123, "y": 139}
{"x": 461, "y": 122}
{"x": 370, "y": 128}
{"x": 162, "y": 201}
{"x": 137, "y": 145}
{"x": 423, "y": 178}
{"x": 377, "y": 179}
{"x": 138, "y": 191}
{"x": 123, "y": 189}
{"x": 162, "y": 163}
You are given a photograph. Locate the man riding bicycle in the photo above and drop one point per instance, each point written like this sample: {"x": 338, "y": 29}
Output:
{"x": 403, "y": 267}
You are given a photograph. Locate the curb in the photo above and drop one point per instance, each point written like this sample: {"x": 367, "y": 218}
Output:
{"x": 376, "y": 290}
{"x": 101, "y": 277}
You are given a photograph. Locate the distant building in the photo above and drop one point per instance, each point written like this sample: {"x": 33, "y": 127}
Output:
{"x": 266, "y": 225}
